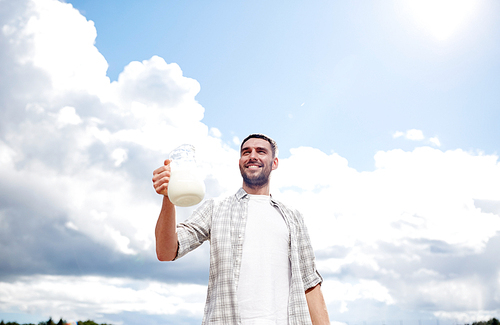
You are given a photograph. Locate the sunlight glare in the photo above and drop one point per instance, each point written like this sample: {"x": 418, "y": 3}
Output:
{"x": 442, "y": 18}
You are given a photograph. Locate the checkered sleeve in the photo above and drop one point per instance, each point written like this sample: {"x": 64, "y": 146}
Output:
{"x": 310, "y": 275}
{"x": 195, "y": 230}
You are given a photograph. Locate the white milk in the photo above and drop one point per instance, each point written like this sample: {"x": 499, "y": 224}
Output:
{"x": 185, "y": 189}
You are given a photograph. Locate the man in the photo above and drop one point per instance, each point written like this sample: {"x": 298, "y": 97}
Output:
{"x": 262, "y": 268}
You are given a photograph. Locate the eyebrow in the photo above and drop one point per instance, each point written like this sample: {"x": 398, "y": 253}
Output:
{"x": 256, "y": 148}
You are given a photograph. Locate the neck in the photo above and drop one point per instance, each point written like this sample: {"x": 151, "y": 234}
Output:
{"x": 261, "y": 190}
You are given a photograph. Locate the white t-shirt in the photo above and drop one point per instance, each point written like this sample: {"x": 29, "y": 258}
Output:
{"x": 264, "y": 282}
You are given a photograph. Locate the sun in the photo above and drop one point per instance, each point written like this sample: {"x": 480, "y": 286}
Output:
{"x": 442, "y": 18}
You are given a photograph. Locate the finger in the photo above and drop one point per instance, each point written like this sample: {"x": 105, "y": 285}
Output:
{"x": 161, "y": 170}
{"x": 161, "y": 186}
{"x": 158, "y": 170}
{"x": 162, "y": 189}
{"x": 161, "y": 173}
{"x": 161, "y": 180}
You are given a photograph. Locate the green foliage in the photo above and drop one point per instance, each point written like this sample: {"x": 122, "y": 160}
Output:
{"x": 63, "y": 322}
{"x": 492, "y": 321}
{"x": 49, "y": 322}
{"x": 88, "y": 322}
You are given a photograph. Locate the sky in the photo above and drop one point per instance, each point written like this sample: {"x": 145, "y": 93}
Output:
{"x": 386, "y": 115}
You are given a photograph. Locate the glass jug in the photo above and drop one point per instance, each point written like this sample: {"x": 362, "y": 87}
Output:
{"x": 185, "y": 188}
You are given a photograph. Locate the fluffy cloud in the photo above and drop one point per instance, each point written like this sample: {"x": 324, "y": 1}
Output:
{"x": 412, "y": 134}
{"x": 75, "y": 296}
{"x": 425, "y": 194}
{"x": 416, "y": 212}
{"x": 67, "y": 54}
{"x": 79, "y": 144}
{"x": 417, "y": 135}
{"x": 77, "y": 154}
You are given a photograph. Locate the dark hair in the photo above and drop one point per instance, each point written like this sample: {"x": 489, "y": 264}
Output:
{"x": 274, "y": 145}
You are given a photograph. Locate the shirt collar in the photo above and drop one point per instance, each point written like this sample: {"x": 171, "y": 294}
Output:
{"x": 241, "y": 194}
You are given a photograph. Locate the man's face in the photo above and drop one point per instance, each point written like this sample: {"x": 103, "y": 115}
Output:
{"x": 257, "y": 162}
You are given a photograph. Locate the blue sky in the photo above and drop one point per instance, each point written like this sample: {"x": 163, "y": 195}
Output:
{"x": 386, "y": 115}
{"x": 339, "y": 76}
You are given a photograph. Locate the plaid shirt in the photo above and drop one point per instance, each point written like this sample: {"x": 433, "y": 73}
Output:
{"x": 223, "y": 223}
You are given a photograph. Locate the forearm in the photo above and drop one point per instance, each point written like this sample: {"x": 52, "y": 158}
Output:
{"x": 317, "y": 306}
{"x": 165, "y": 232}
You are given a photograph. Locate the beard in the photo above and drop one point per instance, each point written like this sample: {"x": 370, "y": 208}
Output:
{"x": 256, "y": 180}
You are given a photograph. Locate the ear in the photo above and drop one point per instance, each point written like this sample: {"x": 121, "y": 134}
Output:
{"x": 275, "y": 163}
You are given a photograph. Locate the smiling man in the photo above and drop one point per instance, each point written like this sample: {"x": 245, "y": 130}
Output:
{"x": 257, "y": 160}
{"x": 262, "y": 268}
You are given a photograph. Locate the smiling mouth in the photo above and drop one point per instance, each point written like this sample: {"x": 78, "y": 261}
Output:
{"x": 253, "y": 166}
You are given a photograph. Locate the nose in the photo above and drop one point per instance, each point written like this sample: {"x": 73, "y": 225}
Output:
{"x": 253, "y": 154}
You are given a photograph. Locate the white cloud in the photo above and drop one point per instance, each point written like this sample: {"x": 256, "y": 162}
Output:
{"x": 119, "y": 155}
{"x": 215, "y": 132}
{"x": 398, "y": 134}
{"x": 68, "y": 151}
{"x": 156, "y": 84}
{"x": 435, "y": 141}
{"x": 466, "y": 316}
{"x": 414, "y": 202}
{"x": 413, "y": 134}
{"x": 417, "y": 135}
{"x": 425, "y": 193}
{"x": 463, "y": 294}
{"x": 67, "y": 116}
{"x": 76, "y": 296}
{"x": 343, "y": 292}
{"x": 337, "y": 323}
{"x": 62, "y": 43}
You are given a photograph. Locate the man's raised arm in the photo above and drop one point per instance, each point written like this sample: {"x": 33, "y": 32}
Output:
{"x": 165, "y": 231}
